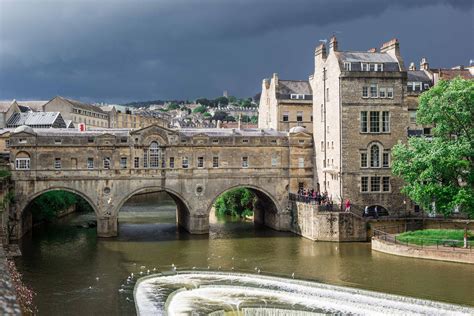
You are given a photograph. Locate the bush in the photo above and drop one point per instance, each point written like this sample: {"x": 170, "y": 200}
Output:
{"x": 237, "y": 202}
{"x": 47, "y": 206}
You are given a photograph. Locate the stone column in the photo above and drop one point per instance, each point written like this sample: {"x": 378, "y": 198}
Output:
{"x": 107, "y": 226}
{"x": 196, "y": 224}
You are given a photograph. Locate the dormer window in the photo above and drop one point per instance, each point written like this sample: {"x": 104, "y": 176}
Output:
{"x": 295, "y": 96}
{"x": 347, "y": 66}
{"x": 371, "y": 67}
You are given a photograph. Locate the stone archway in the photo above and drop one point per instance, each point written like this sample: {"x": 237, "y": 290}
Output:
{"x": 23, "y": 219}
{"x": 268, "y": 211}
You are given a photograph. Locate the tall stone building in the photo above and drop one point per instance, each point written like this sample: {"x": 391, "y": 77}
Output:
{"x": 359, "y": 114}
{"x": 285, "y": 104}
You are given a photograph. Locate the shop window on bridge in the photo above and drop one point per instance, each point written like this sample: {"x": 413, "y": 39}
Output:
{"x": 123, "y": 162}
{"x": 172, "y": 162}
{"x": 57, "y": 163}
{"x": 215, "y": 162}
{"x": 185, "y": 163}
{"x": 136, "y": 162}
{"x": 155, "y": 154}
{"x": 90, "y": 163}
{"x": 245, "y": 162}
{"x": 200, "y": 162}
{"x": 106, "y": 163}
{"x": 22, "y": 163}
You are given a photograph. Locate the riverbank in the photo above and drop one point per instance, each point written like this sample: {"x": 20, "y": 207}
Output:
{"x": 8, "y": 299}
{"x": 441, "y": 253}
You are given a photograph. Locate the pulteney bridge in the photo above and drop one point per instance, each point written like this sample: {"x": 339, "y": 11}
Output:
{"x": 107, "y": 167}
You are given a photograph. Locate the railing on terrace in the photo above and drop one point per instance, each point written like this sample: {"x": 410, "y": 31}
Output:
{"x": 427, "y": 243}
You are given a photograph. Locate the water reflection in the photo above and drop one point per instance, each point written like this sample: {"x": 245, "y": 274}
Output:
{"x": 62, "y": 261}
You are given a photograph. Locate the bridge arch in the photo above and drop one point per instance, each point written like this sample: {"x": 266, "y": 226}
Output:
{"x": 268, "y": 210}
{"x": 24, "y": 221}
{"x": 183, "y": 209}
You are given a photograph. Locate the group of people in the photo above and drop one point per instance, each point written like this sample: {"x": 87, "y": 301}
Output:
{"x": 314, "y": 196}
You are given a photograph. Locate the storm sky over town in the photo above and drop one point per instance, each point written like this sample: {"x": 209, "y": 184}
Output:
{"x": 119, "y": 51}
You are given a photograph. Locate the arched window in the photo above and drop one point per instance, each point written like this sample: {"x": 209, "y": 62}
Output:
{"x": 374, "y": 156}
{"x": 22, "y": 161}
{"x": 154, "y": 154}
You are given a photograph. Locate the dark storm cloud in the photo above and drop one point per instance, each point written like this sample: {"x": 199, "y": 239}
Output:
{"x": 129, "y": 50}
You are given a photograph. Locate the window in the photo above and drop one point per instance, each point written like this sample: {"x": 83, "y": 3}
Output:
{"x": 299, "y": 116}
{"x": 90, "y": 163}
{"x": 363, "y": 160}
{"x": 136, "y": 162}
{"x": 215, "y": 162}
{"x": 385, "y": 122}
{"x": 295, "y": 96}
{"x": 300, "y": 141}
{"x": 245, "y": 162}
{"x": 172, "y": 162}
{"x": 22, "y": 163}
{"x": 322, "y": 113}
{"x": 285, "y": 116}
{"x": 57, "y": 141}
{"x": 215, "y": 141}
{"x": 123, "y": 162}
{"x": 365, "y": 92}
{"x": 372, "y": 67}
{"x": 390, "y": 93}
{"x": 22, "y": 141}
{"x": 427, "y": 131}
{"x": 7, "y": 143}
{"x": 363, "y": 122}
{"x": 413, "y": 117}
{"x": 373, "y": 91}
{"x": 301, "y": 162}
{"x": 347, "y": 66}
{"x": 106, "y": 163}
{"x": 382, "y": 92}
{"x": 364, "y": 184}
{"x": 185, "y": 162}
{"x": 374, "y": 156}
{"x": 145, "y": 158}
{"x": 90, "y": 140}
{"x": 200, "y": 162}
{"x": 375, "y": 184}
{"x": 322, "y": 145}
{"x": 386, "y": 159}
{"x": 57, "y": 163}
{"x": 274, "y": 161}
{"x": 154, "y": 155}
{"x": 245, "y": 141}
{"x": 364, "y": 66}
{"x": 374, "y": 122}
{"x": 386, "y": 184}
{"x": 327, "y": 94}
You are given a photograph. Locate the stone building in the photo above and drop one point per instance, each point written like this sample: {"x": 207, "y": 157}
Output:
{"x": 285, "y": 104}
{"x": 78, "y": 112}
{"x": 37, "y": 120}
{"x": 132, "y": 119}
{"x": 360, "y": 114}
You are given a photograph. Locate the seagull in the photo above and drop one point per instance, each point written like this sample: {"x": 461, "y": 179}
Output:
{"x": 97, "y": 278}
{"x": 293, "y": 275}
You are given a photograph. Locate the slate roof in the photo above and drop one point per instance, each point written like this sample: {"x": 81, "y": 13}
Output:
{"x": 448, "y": 74}
{"x": 33, "y": 119}
{"x": 417, "y": 76}
{"x": 36, "y": 106}
{"x": 83, "y": 106}
{"x": 74, "y": 132}
{"x": 231, "y": 132}
{"x": 366, "y": 57}
{"x": 294, "y": 86}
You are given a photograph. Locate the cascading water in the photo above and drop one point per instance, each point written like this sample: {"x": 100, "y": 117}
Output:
{"x": 205, "y": 292}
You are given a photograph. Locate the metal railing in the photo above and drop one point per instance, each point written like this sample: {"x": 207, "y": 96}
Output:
{"x": 323, "y": 205}
{"x": 427, "y": 243}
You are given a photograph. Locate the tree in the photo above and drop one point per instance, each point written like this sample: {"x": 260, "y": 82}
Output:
{"x": 200, "y": 109}
{"x": 207, "y": 115}
{"x": 439, "y": 171}
{"x": 254, "y": 119}
{"x": 220, "y": 115}
{"x": 173, "y": 106}
{"x": 236, "y": 202}
{"x": 221, "y": 101}
{"x": 203, "y": 101}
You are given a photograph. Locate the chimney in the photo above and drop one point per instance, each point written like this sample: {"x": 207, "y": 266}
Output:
{"x": 320, "y": 51}
{"x": 218, "y": 124}
{"x": 333, "y": 44}
{"x": 275, "y": 79}
{"x": 266, "y": 83}
{"x": 392, "y": 48}
{"x": 239, "y": 124}
{"x": 372, "y": 50}
{"x": 424, "y": 64}
{"x": 412, "y": 66}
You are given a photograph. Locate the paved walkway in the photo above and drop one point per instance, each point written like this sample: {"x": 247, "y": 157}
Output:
{"x": 8, "y": 303}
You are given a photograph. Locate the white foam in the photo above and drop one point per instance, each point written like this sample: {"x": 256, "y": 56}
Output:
{"x": 206, "y": 291}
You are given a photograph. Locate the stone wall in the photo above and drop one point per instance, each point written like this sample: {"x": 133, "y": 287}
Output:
{"x": 448, "y": 254}
{"x": 319, "y": 225}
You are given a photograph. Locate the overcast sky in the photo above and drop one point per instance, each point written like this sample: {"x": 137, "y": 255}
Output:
{"x": 117, "y": 51}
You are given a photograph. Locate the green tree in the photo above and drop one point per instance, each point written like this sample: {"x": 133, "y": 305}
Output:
{"x": 207, "y": 115}
{"x": 236, "y": 202}
{"x": 438, "y": 171}
{"x": 254, "y": 119}
{"x": 200, "y": 109}
{"x": 173, "y": 106}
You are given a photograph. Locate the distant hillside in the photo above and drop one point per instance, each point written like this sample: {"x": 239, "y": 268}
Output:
{"x": 139, "y": 104}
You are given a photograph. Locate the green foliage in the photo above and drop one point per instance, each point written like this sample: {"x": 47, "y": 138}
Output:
{"x": 207, "y": 115}
{"x": 236, "y": 202}
{"x": 4, "y": 173}
{"x": 221, "y": 101}
{"x": 173, "y": 106}
{"x": 47, "y": 206}
{"x": 434, "y": 236}
{"x": 200, "y": 109}
{"x": 254, "y": 119}
{"x": 232, "y": 99}
{"x": 439, "y": 171}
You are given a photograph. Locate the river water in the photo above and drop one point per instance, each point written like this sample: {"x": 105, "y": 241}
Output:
{"x": 75, "y": 273}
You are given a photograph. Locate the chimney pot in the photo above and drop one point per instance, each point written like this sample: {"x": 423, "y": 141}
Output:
{"x": 412, "y": 66}
{"x": 333, "y": 44}
{"x": 372, "y": 50}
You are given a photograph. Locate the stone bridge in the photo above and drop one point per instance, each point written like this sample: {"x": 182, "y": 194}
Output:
{"x": 194, "y": 166}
